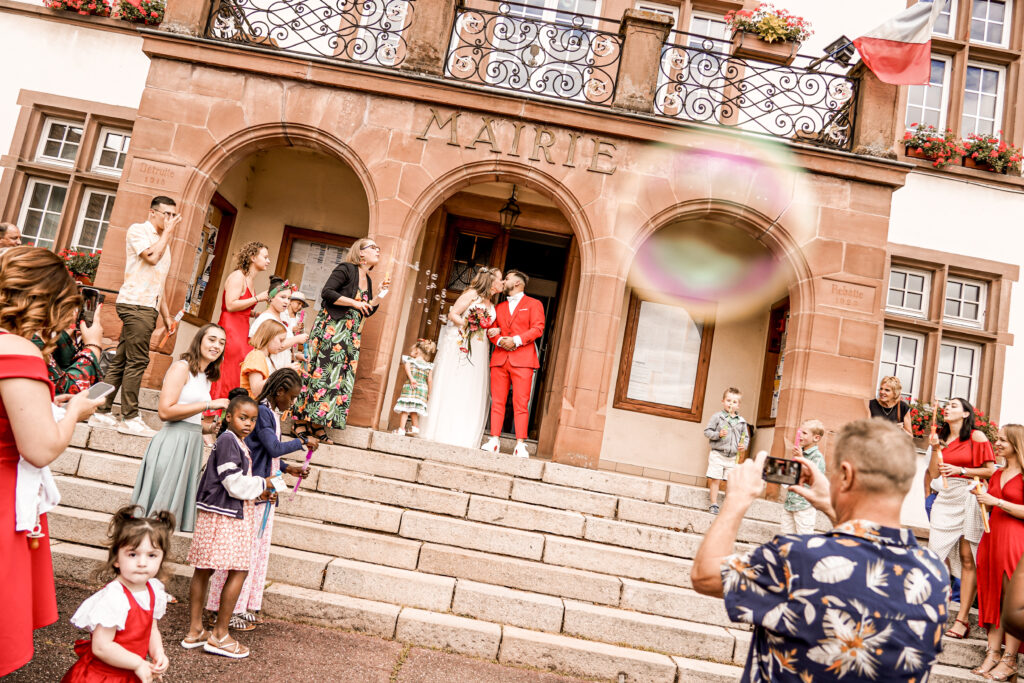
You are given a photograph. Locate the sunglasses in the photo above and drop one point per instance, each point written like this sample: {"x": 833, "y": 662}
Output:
{"x": 369, "y": 246}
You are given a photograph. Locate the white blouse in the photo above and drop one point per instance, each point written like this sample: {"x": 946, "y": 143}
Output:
{"x": 110, "y": 606}
{"x": 196, "y": 390}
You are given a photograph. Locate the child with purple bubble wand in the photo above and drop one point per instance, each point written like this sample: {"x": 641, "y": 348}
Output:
{"x": 266, "y": 447}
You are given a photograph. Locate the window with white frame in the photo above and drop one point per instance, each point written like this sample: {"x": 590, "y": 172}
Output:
{"x": 927, "y": 103}
{"x": 59, "y": 142}
{"x": 965, "y": 301}
{"x": 946, "y": 23}
{"x": 908, "y": 291}
{"x": 990, "y": 22}
{"x": 111, "y": 150}
{"x": 901, "y": 358}
{"x": 93, "y": 220}
{"x": 983, "y": 99}
{"x": 40, "y": 212}
{"x": 959, "y": 365}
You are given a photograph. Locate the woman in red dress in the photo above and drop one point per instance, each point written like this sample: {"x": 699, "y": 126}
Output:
{"x": 1000, "y": 551}
{"x": 37, "y": 296}
{"x": 236, "y": 306}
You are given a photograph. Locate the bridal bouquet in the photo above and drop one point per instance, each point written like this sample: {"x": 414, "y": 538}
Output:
{"x": 476, "y": 319}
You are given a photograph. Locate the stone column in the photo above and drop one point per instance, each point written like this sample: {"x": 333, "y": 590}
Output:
{"x": 643, "y": 34}
{"x": 187, "y": 17}
{"x": 876, "y": 115}
{"x": 428, "y": 36}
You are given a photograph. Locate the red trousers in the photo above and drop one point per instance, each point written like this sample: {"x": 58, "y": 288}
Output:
{"x": 521, "y": 380}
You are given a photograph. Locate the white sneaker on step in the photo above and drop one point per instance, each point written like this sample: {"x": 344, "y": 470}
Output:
{"x": 520, "y": 451}
{"x": 136, "y": 427}
{"x": 103, "y": 420}
{"x": 493, "y": 445}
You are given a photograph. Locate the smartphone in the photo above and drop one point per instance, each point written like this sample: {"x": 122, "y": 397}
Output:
{"x": 781, "y": 471}
{"x": 99, "y": 390}
{"x": 91, "y": 299}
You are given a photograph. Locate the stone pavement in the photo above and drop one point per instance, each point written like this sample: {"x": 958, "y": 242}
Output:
{"x": 281, "y": 651}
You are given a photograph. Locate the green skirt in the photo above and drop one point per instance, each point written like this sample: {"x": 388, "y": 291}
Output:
{"x": 169, "y": 475}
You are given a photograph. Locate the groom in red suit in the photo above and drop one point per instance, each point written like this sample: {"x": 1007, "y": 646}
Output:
{"x": 520, "y": 321}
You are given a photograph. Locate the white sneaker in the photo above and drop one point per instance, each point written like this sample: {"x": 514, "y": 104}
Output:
{"x": 103, "y": 420}
{"x": 136, "y": 427}
{"x": 493, "y": 445}
{"x": 520, "y": 451}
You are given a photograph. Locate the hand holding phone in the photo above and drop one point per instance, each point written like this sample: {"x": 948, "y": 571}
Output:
{"x": 100, "y": 390}
{"x": 781, "y": 471}
{"x": 91, "y": 299}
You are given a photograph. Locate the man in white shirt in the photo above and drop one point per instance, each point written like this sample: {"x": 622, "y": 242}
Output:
{"x": 147, "y": 261}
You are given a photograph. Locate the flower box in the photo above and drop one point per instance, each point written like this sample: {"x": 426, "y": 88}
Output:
{"x": 914, "y": 152}
{"x": 746, "y": 45}
{"x": 968, "y": 162}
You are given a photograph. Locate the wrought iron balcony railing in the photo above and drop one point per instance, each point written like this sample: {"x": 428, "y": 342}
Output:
{"x": 699, "y": 80}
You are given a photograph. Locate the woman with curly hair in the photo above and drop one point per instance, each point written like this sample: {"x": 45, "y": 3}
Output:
{"x": 237, "y": 304}
{"x": 37, "y": 297}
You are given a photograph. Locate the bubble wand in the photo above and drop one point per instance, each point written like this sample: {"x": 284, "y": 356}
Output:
{"x": 934, "y": 429}
{"x": 305, "y": 471}
{"x": 984, "y": 508}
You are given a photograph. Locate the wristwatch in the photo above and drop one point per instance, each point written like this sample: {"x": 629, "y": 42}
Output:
{"x": 963, "y": 471}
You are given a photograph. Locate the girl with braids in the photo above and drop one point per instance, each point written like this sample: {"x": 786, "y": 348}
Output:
{"x": 224, "y": 536}
{"x": 122, "y": 616}
{"x": 236, "y": 305}
{"x": 170, "y": 468}
{"x": 267, "y": 448}
{"x": 37, "y": 297}
{"x": 277, "y": 305}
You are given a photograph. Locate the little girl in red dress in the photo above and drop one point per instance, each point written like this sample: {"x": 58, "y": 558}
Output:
{"x": 123, "y": 615}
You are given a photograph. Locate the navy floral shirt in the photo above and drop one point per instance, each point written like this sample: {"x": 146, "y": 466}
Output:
{"x": 862, "y": 602}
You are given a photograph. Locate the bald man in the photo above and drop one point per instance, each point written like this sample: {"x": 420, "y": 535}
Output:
{"x": 10, "y": 237}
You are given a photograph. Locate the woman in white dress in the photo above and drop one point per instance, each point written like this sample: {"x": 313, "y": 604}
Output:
{"x": 457, "y": 407}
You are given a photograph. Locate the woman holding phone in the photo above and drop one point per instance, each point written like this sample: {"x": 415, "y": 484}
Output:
{"x": 37, "y": 298}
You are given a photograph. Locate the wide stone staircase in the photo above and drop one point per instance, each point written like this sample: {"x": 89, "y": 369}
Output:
{"x": 524, "y": 561}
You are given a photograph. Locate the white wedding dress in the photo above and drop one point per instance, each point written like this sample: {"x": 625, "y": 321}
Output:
{"x": 460, "y": 390}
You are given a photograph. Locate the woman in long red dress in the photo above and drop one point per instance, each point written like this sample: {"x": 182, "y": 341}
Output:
{"x": 37, "y": 296}
{"x": 1000, "y": 551}
{"x": 236, "y": 306}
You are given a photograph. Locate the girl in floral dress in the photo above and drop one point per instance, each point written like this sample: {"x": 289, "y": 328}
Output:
{"x": 415, "y": 393}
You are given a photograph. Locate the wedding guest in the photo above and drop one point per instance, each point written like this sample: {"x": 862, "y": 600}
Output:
{"x": 74, "y": 363}
{"x": 277, "y": 307}
{"x": 259, "y": 363}
{"x": 296, "y": 304}
{"x": 412, "y": 402}
{"x": 142, "y": 296}
{"x": 37, "y": 298}
{"x": 237, "y": 303}
{"x": 10, "y": 236}
{"x": 955, "y": 524}
{"x": 1000, "y": 551}
{"x": 170, "y": 470}
{"x": 889, "y": 406}
{"x": 347, "y": 300}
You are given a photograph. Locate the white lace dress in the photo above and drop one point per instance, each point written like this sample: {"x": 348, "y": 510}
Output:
{"x": 459, "y": 397}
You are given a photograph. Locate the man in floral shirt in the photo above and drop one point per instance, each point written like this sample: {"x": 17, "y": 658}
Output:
{"x": 863, "y": 602}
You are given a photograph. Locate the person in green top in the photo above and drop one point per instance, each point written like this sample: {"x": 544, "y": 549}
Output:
{"x": 798, "y": 516}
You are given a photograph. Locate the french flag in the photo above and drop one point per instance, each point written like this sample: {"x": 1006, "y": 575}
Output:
{"x": 899, "y": 51}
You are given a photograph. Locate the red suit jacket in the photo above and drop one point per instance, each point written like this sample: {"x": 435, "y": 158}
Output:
{"x": 527, "y": 321}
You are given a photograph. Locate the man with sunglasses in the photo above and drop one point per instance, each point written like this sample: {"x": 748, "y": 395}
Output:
{"x": 147, "y": 262}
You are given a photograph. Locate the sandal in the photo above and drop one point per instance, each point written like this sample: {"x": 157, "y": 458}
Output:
{"x": 240, "y": 623}
{"x": 1009, "y": 660}
{"x": 252, "y": 617}
{"x": 950, "y": 633}
{"x": 192, "y": 642}
{"x": 226, "y": 647}
{"x": 992, "y": 659}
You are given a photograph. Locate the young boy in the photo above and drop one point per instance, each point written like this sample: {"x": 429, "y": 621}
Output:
{"x": 727, "y": 432}
{"x": 798, "y": 516}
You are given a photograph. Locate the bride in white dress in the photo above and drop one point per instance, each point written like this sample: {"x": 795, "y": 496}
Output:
{"x": 460, "y": 391}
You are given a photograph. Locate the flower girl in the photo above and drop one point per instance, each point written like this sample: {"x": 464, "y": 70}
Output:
{"x": 416, "y": 392}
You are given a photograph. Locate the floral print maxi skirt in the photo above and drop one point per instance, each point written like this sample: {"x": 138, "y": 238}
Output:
{"x": 333, "y": 359}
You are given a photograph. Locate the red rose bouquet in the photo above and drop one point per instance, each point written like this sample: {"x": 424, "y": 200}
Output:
{"x": 477, "y": 319}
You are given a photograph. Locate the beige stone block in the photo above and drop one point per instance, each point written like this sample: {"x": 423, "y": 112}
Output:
{"x": 297, "y": 567}
{"x": 633, "y": 564}
{"x": 671, "y": 636}
{"x": 394, "y": 493}
{"x": 474, "y": 458}
{"x": 113, "y": 469}
{"x": 697, "y": 671}
{"x": 84, "y": 527}
{"x": 742, "y": 648}
{"x": 525, "y": 516}
{"x": 66, "y": 462}
{"x": 92, "y": 495}
{"x": 355, "y": 513}
{"x": 331, "y": 609}
{"x": 113, "y": 441}
{"x": 366, "y": 462}
{"x": 690, "y": 520}
{"x": 522, "y": 574}
{"x": 548, "y": 495}
{"x": 583, "y": 657}
{"x": 465, "y": 479}
{"x": 605, "y": 482}
{"x": 80, "y": 437}
{"x": 642, "y": 537}
{"x": 449, "y": 632}
{"x": 483, "y": 537}
{"x": 697, "y": 498}
{"x": 507, "y": 606}
{"x": 671, "y": 601}
{"x": 354, "y": 437}
{"x": 387, "y": 584}
{"x": 330, "y": 539}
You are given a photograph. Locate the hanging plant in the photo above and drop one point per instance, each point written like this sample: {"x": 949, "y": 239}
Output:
{"x": 149, "y": 12}
{"x": 96, "y": 8}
